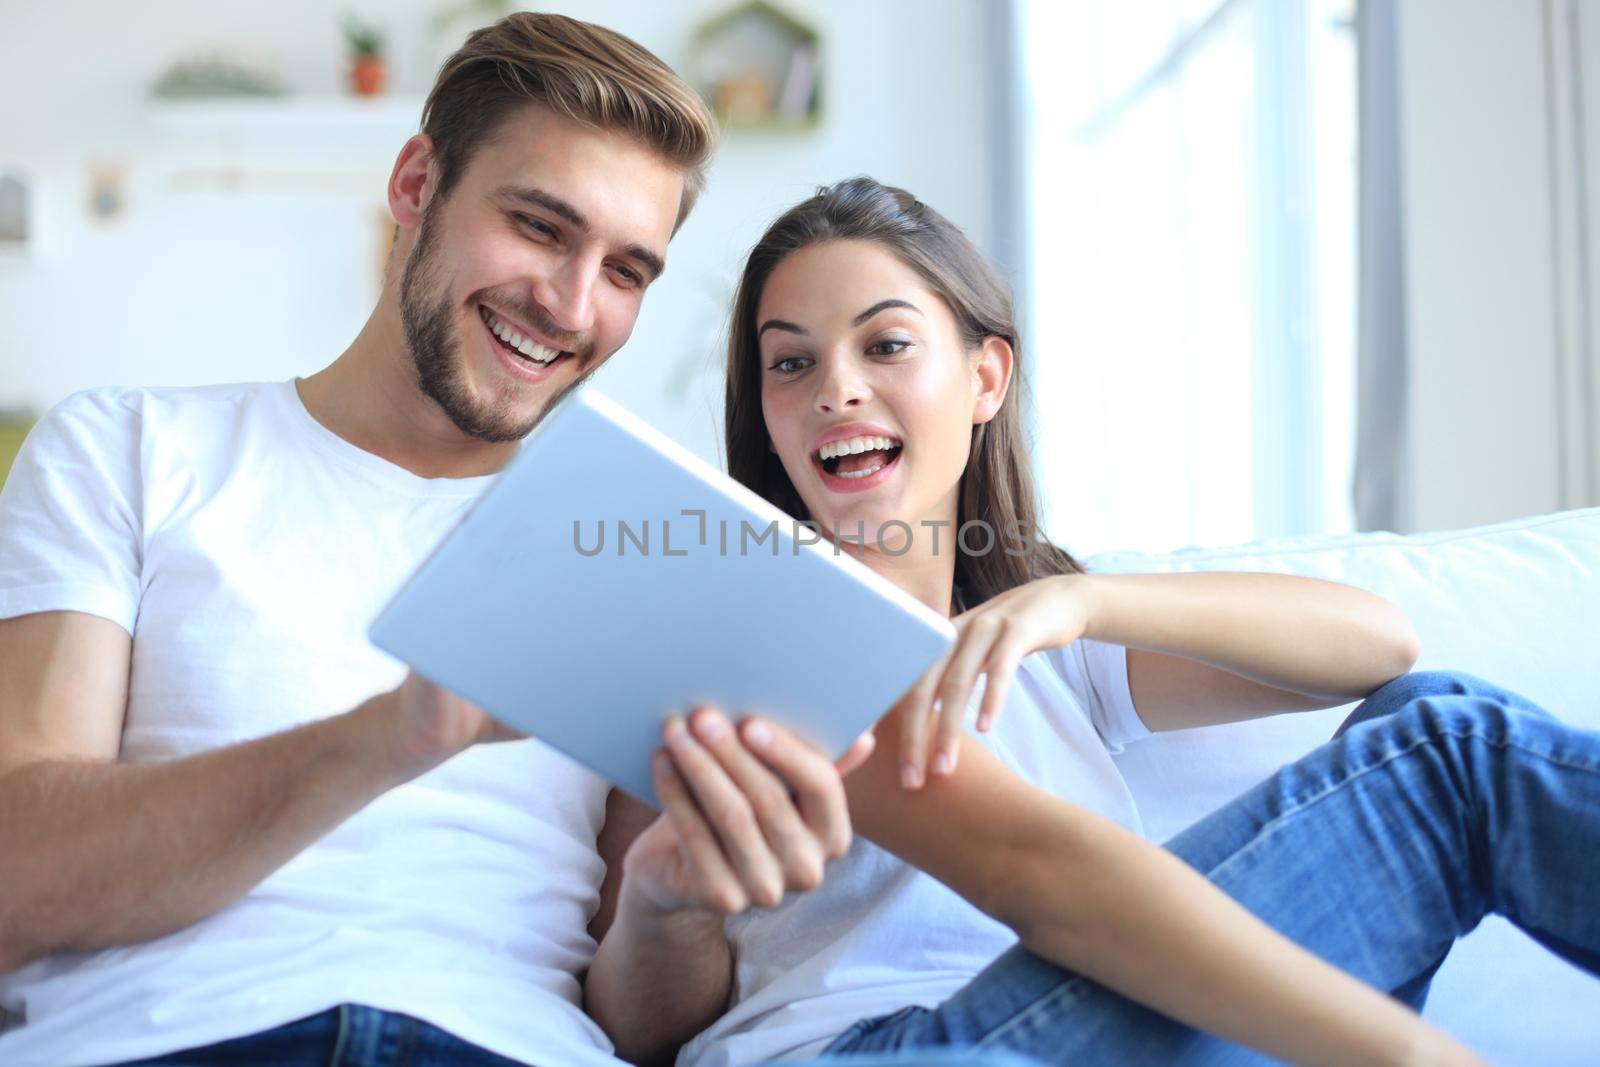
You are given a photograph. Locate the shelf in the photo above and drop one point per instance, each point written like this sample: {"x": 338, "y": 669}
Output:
{"x": 287, "y": 124}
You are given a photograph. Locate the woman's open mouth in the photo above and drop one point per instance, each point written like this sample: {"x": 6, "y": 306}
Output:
{"x": 857, "y": 464}
{"x": 522, "y": 352}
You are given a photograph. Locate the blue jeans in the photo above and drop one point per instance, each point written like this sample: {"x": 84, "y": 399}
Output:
{"x": 352, "y": 1035}
{"x": 347, "y": 1036}
{"x": 1441, "y": 799}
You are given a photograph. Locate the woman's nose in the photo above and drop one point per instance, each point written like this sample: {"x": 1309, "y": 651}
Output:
{"x": 840, "y": 390}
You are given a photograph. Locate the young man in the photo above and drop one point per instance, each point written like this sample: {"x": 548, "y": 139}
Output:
{"x": 211, "y": 829}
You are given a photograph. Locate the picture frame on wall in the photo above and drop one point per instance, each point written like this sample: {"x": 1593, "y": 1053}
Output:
{"x": 759, "y": 67}
{"x": 19, "y": 223}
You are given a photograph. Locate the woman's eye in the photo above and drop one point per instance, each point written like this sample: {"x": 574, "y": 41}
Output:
{"x": 790, "y": 365}
{"x": 887, "y": 348}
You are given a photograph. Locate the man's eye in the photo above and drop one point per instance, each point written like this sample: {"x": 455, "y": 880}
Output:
{"x": 536, "y": 225}
{"x": 632, "y": 277}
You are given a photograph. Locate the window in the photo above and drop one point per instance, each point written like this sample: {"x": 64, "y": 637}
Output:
{"x": 1190, "y": 202}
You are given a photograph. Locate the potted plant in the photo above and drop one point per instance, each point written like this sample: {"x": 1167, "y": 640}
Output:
{"x": 368, "y": 72}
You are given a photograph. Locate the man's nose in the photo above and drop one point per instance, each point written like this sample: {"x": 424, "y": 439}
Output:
{"x": 569, "y": 296}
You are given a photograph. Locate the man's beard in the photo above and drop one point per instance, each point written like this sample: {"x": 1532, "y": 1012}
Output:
{"x": 434, "y": 347}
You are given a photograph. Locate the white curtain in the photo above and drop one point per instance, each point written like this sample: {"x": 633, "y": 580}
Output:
{"x": 1381, "y": 495}
{"x": 1189, "y": 266}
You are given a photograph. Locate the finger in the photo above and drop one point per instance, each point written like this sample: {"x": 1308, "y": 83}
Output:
{"x": 955, "y": 693}
{"x": 815, "y": 782}
{"x": 915, "y": 708}
{"x": 709, "y": 869}
{"x": 495, "y": 730}
{"x": 1002, "y": 668}
{"x": 859, "y": 752}
{"x": 795, "y": 845}
{"x": 729, "y": 813}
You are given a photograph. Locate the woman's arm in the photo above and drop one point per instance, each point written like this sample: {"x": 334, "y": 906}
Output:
{"x": 1203, "y": 649}
{"x": 1102, "y": 902}
{"x": 1210, "y": 648}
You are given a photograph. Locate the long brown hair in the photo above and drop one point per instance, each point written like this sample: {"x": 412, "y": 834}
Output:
{"x": 997, "y": 487}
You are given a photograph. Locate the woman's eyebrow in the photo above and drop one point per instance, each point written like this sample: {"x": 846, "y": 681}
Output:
{"x": 883, "y": 305}
{"x": 781, "y": 324}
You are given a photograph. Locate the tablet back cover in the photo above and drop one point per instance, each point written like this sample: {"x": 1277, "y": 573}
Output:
{"x": 610, "y": 578}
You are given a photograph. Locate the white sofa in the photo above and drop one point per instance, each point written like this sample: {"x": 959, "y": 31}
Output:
{"x": 1518, "y": 604}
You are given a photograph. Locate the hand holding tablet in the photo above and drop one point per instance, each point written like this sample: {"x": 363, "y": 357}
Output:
{"x": 609, "y": 580}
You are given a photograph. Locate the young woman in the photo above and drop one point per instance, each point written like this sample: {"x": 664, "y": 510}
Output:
{"x": 873, "y": 390}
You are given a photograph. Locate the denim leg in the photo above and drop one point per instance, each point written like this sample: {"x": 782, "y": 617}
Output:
{"x": 1389, "y": 699}
{"x": 351, "y": 1035}
{"x": 306, "y": 1042}
{"x": 942, "y": 1057}
{"x": 1376, "y": 852}
{"x": 1394, "y": 695}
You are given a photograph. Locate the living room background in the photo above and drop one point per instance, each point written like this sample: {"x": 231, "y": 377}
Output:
{"x": 1249, "y": 314}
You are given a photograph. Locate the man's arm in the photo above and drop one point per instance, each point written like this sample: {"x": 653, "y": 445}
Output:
{"x": 98, "y": 853}
{"x": 748, "y": 816}
{"x": 659, "y": 977}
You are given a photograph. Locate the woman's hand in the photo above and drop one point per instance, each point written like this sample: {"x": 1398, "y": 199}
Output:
{"x": 991, "y": 640}
{"x": 748, "y": 815}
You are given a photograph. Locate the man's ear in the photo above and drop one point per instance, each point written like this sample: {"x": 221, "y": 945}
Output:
{"x": 412, "y": 182}
{"x": 992, "y": 365}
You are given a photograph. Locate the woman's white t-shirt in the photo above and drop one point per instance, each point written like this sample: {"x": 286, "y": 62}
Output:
{"x": 247, "y": 549}
{"x": 880, "y": 935}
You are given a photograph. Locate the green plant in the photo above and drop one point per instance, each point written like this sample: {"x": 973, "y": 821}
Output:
{"x": 363, "y": 38}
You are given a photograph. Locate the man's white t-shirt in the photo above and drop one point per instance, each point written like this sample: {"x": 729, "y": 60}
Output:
{"x": 247, "y": 549}
{"x": 879, "y": 935}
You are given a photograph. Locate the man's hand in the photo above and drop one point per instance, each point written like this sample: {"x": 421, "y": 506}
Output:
{"x": 431, "y": 724}
{"x": 748, "y": 816}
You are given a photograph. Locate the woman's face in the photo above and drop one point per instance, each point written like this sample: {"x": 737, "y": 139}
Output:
{"x": 859, "y": 356}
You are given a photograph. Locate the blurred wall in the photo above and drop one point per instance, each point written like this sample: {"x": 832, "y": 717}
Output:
{"x": 247, "y": 255}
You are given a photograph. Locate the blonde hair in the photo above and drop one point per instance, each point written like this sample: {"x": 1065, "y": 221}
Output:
{"x": 587, "y": 73}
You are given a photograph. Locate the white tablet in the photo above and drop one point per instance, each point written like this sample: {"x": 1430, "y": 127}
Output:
{"x": 610, "y": 578}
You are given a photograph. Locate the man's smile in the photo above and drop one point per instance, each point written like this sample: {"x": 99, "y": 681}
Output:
{"x": 523, "y": 349}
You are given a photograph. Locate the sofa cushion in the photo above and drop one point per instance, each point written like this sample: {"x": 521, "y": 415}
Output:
{"x": 1517, "y": 603}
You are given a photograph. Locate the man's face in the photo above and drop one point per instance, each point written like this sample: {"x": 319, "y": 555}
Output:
{"x": 530, "y": 273}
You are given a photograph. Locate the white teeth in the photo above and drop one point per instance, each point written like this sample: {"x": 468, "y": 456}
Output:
{"x": 859, "y": 474}
{"x": 526, "y": 345}
{"x": 855, "y": 446}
